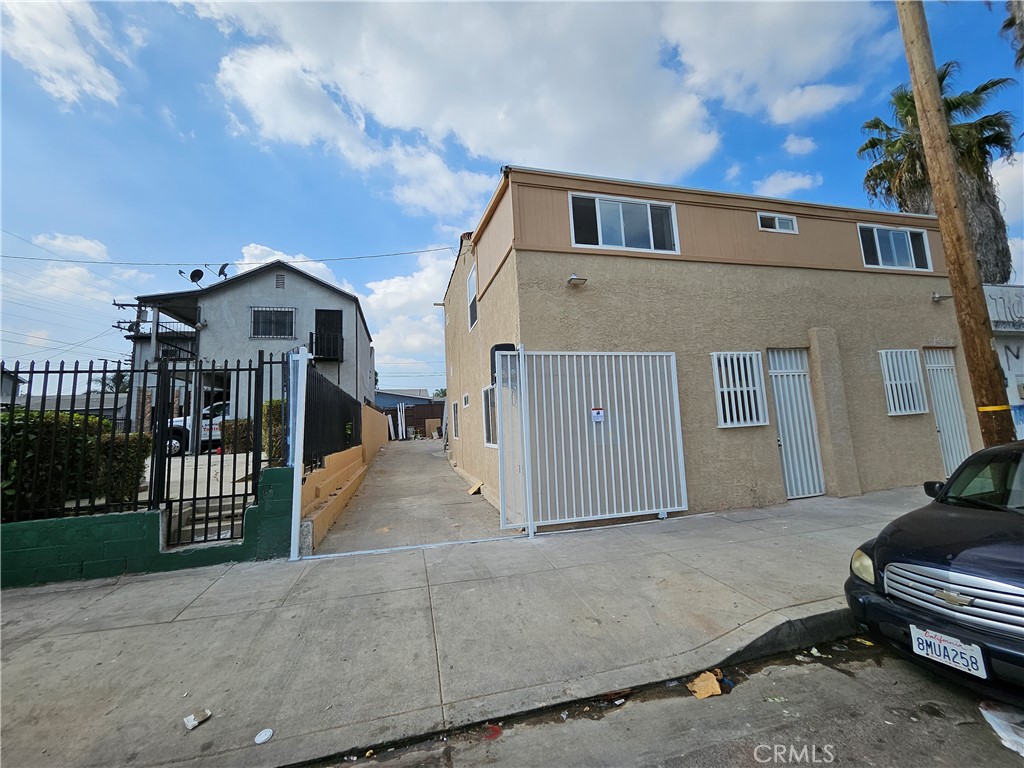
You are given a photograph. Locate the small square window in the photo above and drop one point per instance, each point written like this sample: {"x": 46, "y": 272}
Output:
{"x": 777, "y": 222}
{"x": 465, "y": 401}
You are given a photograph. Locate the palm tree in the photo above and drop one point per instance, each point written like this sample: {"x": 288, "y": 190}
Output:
{"x": 1013, "y": 28}
{"x": 898, "y": 177}
{"x": 116, "y": 383}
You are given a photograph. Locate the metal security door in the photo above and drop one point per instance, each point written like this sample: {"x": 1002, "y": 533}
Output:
{"x": 949, "y": 410}
{"x": 798, "y": 429}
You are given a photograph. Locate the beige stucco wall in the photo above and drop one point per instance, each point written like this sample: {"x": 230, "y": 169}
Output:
{"x": 467, "y": 354}
{"x": 495, "y": 240}
{"x": 694, "y": 309}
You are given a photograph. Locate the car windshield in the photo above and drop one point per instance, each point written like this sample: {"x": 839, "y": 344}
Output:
{"x": 988, "y": 481}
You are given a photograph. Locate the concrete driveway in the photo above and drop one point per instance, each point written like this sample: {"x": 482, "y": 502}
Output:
{"x": 410, "y": 497}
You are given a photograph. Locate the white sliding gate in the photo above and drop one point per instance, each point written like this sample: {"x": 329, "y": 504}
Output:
{"x": 588, "y": 436}
{"x": 950, "y": 422}
{"x": 798, "y": 429}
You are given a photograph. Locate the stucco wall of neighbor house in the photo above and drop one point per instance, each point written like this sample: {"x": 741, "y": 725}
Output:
{"x": 101, "y": 546}
{"x": 467, "y": 355}
{"x": 712, "y": 226}
{"x": 695, "y": 308}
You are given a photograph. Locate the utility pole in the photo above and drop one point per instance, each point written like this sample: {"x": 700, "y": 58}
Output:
{"x": 986, "y": 375}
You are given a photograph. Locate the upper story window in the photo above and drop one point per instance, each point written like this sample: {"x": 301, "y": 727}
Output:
{"x": 777, "y": 222}
{"x": 273, "y": 323}
{"x": 607, "y": 222}
{"x": 471, "y": 296}
{"x": 894, "y": 248}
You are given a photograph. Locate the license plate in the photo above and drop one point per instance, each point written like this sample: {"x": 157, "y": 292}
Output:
{"x": 948, "y": 650}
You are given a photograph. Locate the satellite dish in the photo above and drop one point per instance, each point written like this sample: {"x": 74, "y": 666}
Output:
{"x": 222, "y": 272}
{"x": 196, "y": 275}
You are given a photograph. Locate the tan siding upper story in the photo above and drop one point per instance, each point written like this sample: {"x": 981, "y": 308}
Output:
{"x": 712, "y": 227}
{"x": 494, "y": 242}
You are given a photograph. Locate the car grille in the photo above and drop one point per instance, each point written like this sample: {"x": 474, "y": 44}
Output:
{"x": 993, "y": 604}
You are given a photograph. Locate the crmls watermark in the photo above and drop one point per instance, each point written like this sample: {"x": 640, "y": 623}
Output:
{"x": 790, "y": 754}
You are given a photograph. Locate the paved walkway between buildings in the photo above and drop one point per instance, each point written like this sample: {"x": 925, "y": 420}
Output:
{"x": 346, "y": 653}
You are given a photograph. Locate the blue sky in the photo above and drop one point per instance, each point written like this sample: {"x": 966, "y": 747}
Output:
{"x": 142, "y": 138}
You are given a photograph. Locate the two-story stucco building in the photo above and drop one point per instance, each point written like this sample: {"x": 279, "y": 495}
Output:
{"x": 273, "y": 308}
{"x": 713, "y": 350}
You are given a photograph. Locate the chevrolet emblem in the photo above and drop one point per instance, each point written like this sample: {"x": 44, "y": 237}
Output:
{"x": 953, "y": 598}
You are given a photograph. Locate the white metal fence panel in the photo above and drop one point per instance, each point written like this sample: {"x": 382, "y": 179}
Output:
{"x": 600, "y": 437}
{"x": 904, "y": 385}
{"x": 798, "y": 427}
{"x": 512, "y": 468}
{"x": 950, "y": 421}
{"x": 739, "y": 389}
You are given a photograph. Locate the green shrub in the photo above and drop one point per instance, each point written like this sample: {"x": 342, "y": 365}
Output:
{"x": 47, "y": 458}
{"x": 275, "y": 415}
{"x": 236, "y": 436}
{"x": 123, "y": 464}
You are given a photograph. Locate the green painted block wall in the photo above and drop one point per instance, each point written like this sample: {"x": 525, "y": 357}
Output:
{"x": 101, "y": 546}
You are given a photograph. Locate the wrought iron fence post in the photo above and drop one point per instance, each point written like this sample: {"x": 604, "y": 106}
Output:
{"x": 161, "y": 434}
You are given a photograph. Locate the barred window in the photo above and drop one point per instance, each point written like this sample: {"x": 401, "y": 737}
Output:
{"x": 490, "y": 414}
{"x": 739, "y": 389}
{"x": 904, "y": 384}
{"x": 273, "y": 323}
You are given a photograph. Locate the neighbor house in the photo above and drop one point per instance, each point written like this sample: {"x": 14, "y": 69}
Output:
{"x": 270, "y": 310}
{"x": 1006, "y": 313}
{"x": 10, "y": 386}
{"x": 624, "y": 348}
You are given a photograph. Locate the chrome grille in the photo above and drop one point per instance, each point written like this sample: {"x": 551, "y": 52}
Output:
{"x": 994, "y": 605}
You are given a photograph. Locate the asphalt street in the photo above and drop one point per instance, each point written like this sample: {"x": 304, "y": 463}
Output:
{"x": 854, "y": 705}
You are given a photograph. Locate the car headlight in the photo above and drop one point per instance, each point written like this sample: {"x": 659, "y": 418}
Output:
{"x": 862, "y": 567}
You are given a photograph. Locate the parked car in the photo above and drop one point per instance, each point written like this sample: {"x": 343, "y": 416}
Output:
{"x": 944, "y": 584}
{"x": 210, "y": 420}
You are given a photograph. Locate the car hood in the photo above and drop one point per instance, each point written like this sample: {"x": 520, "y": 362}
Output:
{"x": 982, "y": 542}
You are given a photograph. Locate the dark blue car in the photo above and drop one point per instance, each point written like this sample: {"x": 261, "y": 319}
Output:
{"x": 945, "y": 583}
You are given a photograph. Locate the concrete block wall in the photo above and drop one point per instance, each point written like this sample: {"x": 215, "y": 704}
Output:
{"x": 101, "y": 546}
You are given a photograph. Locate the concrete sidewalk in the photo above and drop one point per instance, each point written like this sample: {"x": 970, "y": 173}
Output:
{"x": 346, "y": 653}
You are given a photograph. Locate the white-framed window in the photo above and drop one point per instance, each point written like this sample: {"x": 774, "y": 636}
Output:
{"x": 739, "y": 389}
{"x": 471, "y": 296}
{"x": 894, "y": 248}
{"x": 465, "y": 401}
{"x": 618, "y": 222}
{"x": 777, "y": 222}
{"x": 490, "y": 415}
{"x": 272, "y": 323}
{"x": 904, "y": 383}
{"x": 455, "y": 421}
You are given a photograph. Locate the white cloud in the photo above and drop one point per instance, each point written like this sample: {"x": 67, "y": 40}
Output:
{"x": 1010, "y": 182}
{"x": 75, "y": 246}
{"x": 253, "y": 255}
{"x": 799, "y": 145}
{"x": 171, "y": 121}
{"x": 785, "y": 183}
{"x": 737, "y": 52}
{"x": 133, "y": 275}
{"x": 733, "y": 172}
{"x": 410, "y": 337}
{"x": 57, "y": 43}
{"x": 61, "y": 281}
{"x": 809, "y": 101}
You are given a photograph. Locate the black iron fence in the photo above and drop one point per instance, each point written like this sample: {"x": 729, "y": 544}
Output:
{"x": 333, "y": 420}
{"x": 186, "y": 436}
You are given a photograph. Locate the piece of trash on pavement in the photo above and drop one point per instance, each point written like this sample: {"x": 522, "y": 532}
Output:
{"x": 801, "y": 657}
{"x": 1007, "y": 722}
{"x": 723, "y": 682}
{"x": 862, "y": 641}
{"x": 704, "y": 685}
{"x": 819, "y": 654}
{"x": 619, "y": 702}
{"x": 264, "y": 736}
{"x": 565, "y": 715}
{"x": 492, "y": 732}
{"x": 888, "y": 723}
{"x": 197, "y": 717}
{"x": 184, "y": 694}
{"x": 369, "y": 753}
{"x": 775, "y": 698}
{"x": 586, "y": 709}
{"x": 671, "y": 683}
{"x": 840, "y": 647}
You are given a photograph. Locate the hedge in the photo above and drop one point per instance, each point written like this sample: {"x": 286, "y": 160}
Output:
{"x": 123, "y": 465}
{"x": 274, "y": 416}
{"x": 236, "y": 436}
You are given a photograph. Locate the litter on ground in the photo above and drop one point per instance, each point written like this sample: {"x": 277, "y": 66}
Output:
{"x": 704, "y": 685}
{"x": 196, "y": 718}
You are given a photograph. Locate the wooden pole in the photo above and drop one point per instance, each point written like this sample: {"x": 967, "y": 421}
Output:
{"x": 987, "y": 381}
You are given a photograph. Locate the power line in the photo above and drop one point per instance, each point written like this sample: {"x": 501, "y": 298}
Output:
{"x": 63, "y": 259}
{"x": 192, "y": 263}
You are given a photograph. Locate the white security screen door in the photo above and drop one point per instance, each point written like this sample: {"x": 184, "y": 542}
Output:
{"x": 949, "y": 410}
{"x": 798, "y": 429}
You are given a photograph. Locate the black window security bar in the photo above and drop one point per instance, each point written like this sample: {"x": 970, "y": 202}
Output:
{"x": 327, "y": 346}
